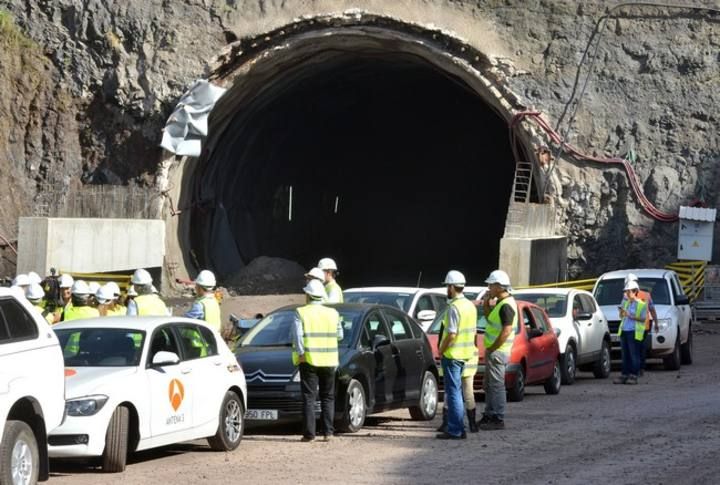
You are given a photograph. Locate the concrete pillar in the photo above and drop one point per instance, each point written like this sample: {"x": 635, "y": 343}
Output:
{"x": 534, "y": 260}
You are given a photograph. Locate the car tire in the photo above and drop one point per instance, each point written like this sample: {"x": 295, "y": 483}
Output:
{"x": 672, "y": 361}
{"x": 427, "y": 405}
{"x": 517, "y": 392}
{"x": 686, "y": 349}
{"x": 568, "y": 365}
{"x": 601, "y": 369}
{"x": 231, "y": 424}
{"x": 552, "y": 385}
{"x": 353, "y": 417}
{"x": 19, "y": 455}
{"x": 114, "y": 458}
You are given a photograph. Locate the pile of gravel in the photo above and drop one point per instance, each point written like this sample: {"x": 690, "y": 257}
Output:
{"x": 265, "y": 275}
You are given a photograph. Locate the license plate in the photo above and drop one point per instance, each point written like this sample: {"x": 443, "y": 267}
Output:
{"x": 614, "y": 338}
{"x": 261, "y": 414}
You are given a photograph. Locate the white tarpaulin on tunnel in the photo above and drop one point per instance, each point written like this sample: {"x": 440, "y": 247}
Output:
{"x": 188, "y": 123}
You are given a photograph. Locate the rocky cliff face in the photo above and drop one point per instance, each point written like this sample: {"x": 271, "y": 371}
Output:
{"x": 87, "y": 91}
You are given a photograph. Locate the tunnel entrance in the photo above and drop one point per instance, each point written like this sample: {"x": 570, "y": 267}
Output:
{"x": 379, "y": 159}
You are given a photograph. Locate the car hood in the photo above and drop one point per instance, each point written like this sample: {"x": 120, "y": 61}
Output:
{"x": 270, "y": 364}
{"x": 611, "y": 312}
{"x": 84, "y": 381}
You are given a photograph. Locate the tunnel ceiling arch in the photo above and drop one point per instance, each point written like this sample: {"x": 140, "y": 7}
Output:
{"x": 382, "y": 144}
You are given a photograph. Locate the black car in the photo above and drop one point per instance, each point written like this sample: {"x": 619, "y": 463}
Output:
{"x": 385, "y": 363}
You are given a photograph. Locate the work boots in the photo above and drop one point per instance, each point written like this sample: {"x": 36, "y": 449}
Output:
{"x": 443, "y": 426}
{"x": 471, "y": 420}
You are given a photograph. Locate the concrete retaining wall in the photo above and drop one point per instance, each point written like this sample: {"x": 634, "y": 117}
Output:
{"x": 532, "y": 261}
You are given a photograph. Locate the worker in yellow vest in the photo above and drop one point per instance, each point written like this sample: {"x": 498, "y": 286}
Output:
{"x": 633, "y": 312}
{"x": 80, "y": 307}
{"x": 333, "y": 291}
{"x": 104, "y": 298}
{"x": 502, "y": 318}
{"x": 315, "y": 335}
{"x": 114, "y": 307}
{"x": 456, "y": 348}
{"x": 35, "y": 295}
{"x": 206, "y": 306}
{"x": 147, "y": 303}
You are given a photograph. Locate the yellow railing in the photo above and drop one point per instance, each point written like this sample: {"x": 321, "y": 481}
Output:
{"x": 122, "y": 280}
{"x": 690, "y": 273}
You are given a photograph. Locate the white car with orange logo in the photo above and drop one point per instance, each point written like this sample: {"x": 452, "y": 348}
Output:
{"x": 134, "y": 383}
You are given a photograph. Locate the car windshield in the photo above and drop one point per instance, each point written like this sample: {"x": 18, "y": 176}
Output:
{"x": 554, "y": 304}
{"x": 101, "y": 347}
{"x": 610, "y": 291}
{"x": 276, "y": 329}
{"x": 437, "y": 323}
{"x": 401, "y": 300}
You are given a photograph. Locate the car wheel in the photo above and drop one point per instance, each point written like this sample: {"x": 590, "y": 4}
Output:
{"x": 552, "y": 385}
{"x": 686, "y": 349}
{"x": 517, "y": 392}
{"x": 672, "y": 361}
{"x": 601, "y": 370}
{"x": 230, "y": 425}
{"x": 568, "y": 366}
{"x": 114, "y": 457}
{"x": 427, "y": 407}
{"x": 19, "y": 457}
{"x": 355, "y": 408}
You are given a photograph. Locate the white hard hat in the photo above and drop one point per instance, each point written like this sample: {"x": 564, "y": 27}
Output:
{"x": 35, "y": 292}
{"x": 327, "y": 264}
{"x": 113, "y": 287}
{"x": 631, "y": 285}
{"x": 33, "y": 277}
{"x": 315, "y": 289}
{"x": 80, "y": 288}
{"x": 141, "y": 277}
{"x": 630, "y": 277}
{"x": 66, "y": 281}
{"x": 206, "y": 279}
{"x": 21, "y": 280}
{"x": 131, "y": 291}
{"x": 94, "y": 287}
{"x": 500, "y": 277}
{"x": 316, "y": 274}
{"x": 105, "y": 294}
{"x": 455, "y": 278}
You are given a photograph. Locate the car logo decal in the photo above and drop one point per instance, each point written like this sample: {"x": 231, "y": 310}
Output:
{"x": 70, "y": 372}
{"x": 261, "y": 376}
{"x": 176, "y": 391}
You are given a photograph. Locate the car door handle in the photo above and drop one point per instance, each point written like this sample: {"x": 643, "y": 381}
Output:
{"x": 186, "y": 371}
{"x": 217, "y": 363}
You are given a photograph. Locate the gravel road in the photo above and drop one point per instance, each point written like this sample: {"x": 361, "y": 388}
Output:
{"x": 665, "y": 430}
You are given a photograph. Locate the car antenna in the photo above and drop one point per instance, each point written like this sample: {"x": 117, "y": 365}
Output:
{"x": 419, "y": 278}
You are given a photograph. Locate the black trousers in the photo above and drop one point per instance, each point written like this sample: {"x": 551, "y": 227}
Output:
{"x": 311, "y": 378}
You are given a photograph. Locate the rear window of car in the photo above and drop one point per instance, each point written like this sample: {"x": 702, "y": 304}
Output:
{"x": 554, "y": 304}
{"x": 16, "y": 324}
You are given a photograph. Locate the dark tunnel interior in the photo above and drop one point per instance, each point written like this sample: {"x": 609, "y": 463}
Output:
{"x": 385, "y": 163}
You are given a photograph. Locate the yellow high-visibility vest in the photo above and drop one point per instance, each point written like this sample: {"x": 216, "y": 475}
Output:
{"x": 463, "y": 347}
{"x": 333, "y": 287}
{"x": 150, "y": 305}
{"x": 320, "y": 335}
{"x": 494, "y": 326}
{"x": 211, "y": 311}
{"x": 639, "y": 325}
{"x": 80, "y": 312}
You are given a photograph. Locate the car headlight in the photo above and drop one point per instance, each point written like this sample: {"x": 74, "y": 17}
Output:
{"x": 663, "y": 324}
{"x": 85, "y": 406}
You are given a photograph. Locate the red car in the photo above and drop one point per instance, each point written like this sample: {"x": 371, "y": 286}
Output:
{"x": 534, "y": 358}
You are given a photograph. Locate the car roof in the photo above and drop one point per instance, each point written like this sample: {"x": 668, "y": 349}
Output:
{"x": 389, "y": 289}
{"x": 545, "y": 291}
{"x": 640, "y": 273}
{"x": 363, "y": 307}
{"x": 126, "y": 322}
{"x": 474, "y": 289}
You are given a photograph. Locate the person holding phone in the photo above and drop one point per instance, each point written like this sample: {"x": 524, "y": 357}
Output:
{"x": 633, "y": 312}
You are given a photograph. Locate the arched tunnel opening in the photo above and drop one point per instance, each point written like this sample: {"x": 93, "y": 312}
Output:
{"x": 392, "y": 166}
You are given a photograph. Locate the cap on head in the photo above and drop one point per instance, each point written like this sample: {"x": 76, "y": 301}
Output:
{"x": 141, "y": 277}
{"x": 315, "y": 289}
{"x": 35, "y": 292}
{"x": 66, "y": 281}
{"x": 631, "y": 285}
{"x": 34, "y": 278}
{"x": 315, "y": 274}
{"x": 206, "y": 279}
{"x": 454, "y": 278}
{"x": 630, "y": 277}
{"x": 499, "y": 277}
{"x": 21, "y": 280}
{"x": 105, "y": 294}
{"x": 80, "y": 288}
{"x": 326, "y": 264}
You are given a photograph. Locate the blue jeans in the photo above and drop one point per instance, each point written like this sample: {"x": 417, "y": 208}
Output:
{"x": 452, "y": 379}
{"x": 630, "y": 351}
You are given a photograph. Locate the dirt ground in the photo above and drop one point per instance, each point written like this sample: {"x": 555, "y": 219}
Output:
{"x": 665, "y": 430}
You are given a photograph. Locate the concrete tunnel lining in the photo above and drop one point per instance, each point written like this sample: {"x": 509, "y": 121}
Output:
{"x": 227, "y": 189}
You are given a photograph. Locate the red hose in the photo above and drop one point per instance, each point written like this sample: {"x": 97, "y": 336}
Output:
{"x": 537, "y": 118}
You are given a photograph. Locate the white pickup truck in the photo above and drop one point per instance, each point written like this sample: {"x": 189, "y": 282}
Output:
{"x": 32, "y": 390}
{"x": 672, "y": 342}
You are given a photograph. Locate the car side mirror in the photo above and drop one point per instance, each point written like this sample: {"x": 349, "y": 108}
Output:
{"x": 682, "y": 300}
{"x": 379, "y": 340}
{"x": 557, "y": 331}
{"x": 583, "y": 316}
{"x": 165, "y": 358}
{"x": 426, "y": 315}
{"x": 534, "y": 332}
